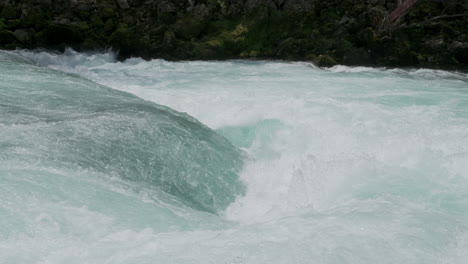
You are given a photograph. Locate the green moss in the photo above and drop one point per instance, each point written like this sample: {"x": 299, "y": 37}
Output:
{"x": 240, "y": 31}
{"x": 215, "y": 43}
{"x": 254, "y": 54}
{"x": 107, "y": 12}
{"x": 325, "y": 61}
{"x": 122, "y": 33}
{"x": 221, "y": 4}
{"x": 83, "y": 26}
{"x": 2, "y": 25}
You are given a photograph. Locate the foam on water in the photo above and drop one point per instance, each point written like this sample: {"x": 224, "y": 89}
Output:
{"x": 345, "y": 165}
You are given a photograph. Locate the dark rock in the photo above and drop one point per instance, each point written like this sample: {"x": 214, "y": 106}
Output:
{"x": 13, "y": 23}
{"x": 57, "y": 33}
{"x": 107, "y": 12}
{"x": 110, "y": 25}
{"x": 357, "y": 56}
{"x": 126, "y": 39}
{"x": 169, "y": 37}
{"x": 298, "y": 6}
{"x": 123, "y": 4}
{"x": 436, "y": 43}
{"x": 457, "y": 45}
{"x": 367, "y": 37}
{"x": 377, "y": 15}
{"x": 188, "y": 28}
{"x": 7, "y": 37}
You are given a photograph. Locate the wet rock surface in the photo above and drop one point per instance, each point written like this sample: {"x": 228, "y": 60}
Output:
{"x": 432, "y": 34}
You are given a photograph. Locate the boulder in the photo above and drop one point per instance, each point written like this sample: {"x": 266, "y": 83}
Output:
{"x": 7, "y": 37}
{"x": 325, "y": 61}
{"x": 123, "y": 4}
{"x": 22, "y": 35}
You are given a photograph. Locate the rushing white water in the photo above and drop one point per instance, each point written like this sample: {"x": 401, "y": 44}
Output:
{"x": 344, "y": 165}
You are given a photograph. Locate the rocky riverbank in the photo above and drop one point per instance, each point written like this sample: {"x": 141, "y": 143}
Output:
{"x": 434, "y": 33}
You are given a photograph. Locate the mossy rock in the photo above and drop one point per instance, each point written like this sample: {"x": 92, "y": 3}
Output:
{"x": 2, "y": 25}
{"x": 367, "y": 37}
{"x": 83, "y": 26}
{"x": 344, "y": 45}
{"x": 122, "y": 36}
{"x": 329, "y": 14}
{"x": 204, "y": 51}
{"x": 108, "y": 12}
{"x": 23, "y": 36}
{"x": 7, "y": 37}
{"x": 83, "y": 12}
{"x": 240, "y": 31}
{"x": 126, "y": 40}
{"x": 329, "y": 28}
{"x": 8, "y": 12}
{"x": 38, "y": 19}
{"x": 169, "y": 37}
{"x": 215, "y": 43}
{"x": 325, "y": 61}
{"x": 96, "y": 25}
{"x": 167, "y": 18}
{"x": 426, "y": 9}
{"x": 254, "y": 53}
{"x": 188, "y": 28}
{"x": 39, "y": 38}
{"x": 110, "y": 25}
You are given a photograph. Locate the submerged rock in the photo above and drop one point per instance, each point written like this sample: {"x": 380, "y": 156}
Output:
{"x": 65, "y": 122}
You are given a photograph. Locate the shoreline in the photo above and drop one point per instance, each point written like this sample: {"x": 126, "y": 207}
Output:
{"x": 379, "y": 67}
{"x": 432, "y": 34}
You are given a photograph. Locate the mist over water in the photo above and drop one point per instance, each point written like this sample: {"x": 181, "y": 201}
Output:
{"x": 340, "y": 165}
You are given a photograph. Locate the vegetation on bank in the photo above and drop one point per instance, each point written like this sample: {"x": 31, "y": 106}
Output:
{"x": 354, "y": 32}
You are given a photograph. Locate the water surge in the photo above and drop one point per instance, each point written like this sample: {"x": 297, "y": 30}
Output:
{"x": 294, "y": 163}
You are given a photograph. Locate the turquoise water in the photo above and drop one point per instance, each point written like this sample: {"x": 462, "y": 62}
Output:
{"x": 287, "y": 163}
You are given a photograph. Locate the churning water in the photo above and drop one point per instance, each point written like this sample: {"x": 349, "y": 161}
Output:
{"x": 287, "y": 163}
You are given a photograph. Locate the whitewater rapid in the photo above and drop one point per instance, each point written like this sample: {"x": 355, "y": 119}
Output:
{"x": 340, "y": 165}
